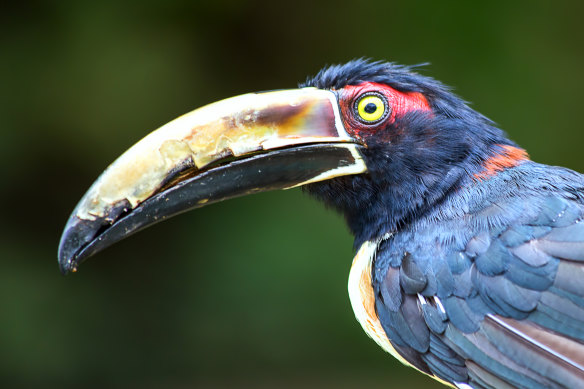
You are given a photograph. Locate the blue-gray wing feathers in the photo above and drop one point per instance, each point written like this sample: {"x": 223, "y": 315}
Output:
{"x": 502, "y": 306}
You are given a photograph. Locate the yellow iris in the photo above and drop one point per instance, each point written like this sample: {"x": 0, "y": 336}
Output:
{"x": 371, "y": 108}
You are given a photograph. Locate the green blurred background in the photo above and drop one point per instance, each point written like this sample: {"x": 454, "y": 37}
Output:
{"x": 251, "y": 292}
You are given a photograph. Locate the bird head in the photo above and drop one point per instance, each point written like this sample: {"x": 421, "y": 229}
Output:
{"x": 375, "y": 140}
{"x": 421, "y": 141}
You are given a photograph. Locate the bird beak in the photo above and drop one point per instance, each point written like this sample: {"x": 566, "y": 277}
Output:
{"x": 246, "y": 144}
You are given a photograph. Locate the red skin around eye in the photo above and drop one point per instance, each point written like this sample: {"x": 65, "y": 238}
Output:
{"x": 400, "y": 103}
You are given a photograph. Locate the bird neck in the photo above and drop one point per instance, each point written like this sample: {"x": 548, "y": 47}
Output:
{"x": 386, "y": 200}
{"x": 394, "y": 205}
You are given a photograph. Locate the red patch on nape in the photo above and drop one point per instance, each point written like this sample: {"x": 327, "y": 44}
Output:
{"x": 509, "y": 156}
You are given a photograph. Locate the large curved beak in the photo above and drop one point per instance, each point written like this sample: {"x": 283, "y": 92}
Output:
{"x": 246, "y": 144}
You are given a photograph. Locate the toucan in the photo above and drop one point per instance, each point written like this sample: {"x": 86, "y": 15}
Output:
{"x": 469, "y": 260}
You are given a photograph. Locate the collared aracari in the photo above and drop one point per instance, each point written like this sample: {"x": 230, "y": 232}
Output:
{"x": 470, "y": 257}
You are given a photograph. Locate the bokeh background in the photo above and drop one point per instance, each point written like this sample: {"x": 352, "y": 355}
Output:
{"x": 251, "y": 292}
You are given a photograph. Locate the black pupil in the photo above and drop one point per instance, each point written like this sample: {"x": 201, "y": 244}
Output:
{"x": 370, "y": 108}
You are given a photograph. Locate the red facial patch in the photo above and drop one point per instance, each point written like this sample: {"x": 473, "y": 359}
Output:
{"x": 399, "y": 103}
{"x": 508, "y": 157}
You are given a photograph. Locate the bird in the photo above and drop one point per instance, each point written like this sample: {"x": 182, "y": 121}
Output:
{"x": 469, "y": 262}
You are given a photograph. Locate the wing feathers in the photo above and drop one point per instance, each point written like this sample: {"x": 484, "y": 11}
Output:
{"x": 502, "y": 307}
{"x": 563, "y": 348}
{"x": 570, "y": 278}
{"x": 564, "y": 250}
{"x": 481, "y": 378}
{"x": 478, "y": 348}
{"x": 532, "y": 353}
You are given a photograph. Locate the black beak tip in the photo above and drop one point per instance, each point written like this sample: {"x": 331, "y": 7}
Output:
{"x": 66, "y": 255}
{"x": 77, "y": 235}
{"x": 65, "y": 264}
{"x": 70, "y": 244}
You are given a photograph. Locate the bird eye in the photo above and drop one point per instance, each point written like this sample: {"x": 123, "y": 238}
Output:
{"x": 371, "y": 108}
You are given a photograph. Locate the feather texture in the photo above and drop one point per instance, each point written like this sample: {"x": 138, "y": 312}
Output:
{"x": 499, "y": 302}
